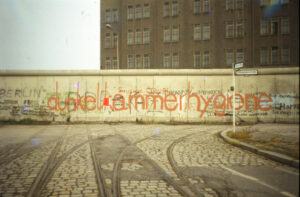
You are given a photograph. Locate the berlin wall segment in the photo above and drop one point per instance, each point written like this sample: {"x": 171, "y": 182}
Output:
{"x": 169, "y": 101}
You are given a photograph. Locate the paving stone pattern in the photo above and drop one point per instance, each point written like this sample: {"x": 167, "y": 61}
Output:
{"x": 193, "y": 146}
{"x": 150, "y": 188}
{"x": 206, "y": 149}
{"x": 75, "y": 176}
{"x": 17, "y": 177}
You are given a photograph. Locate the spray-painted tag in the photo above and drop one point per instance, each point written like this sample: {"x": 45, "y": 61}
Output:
{"x": 106, "y": 102}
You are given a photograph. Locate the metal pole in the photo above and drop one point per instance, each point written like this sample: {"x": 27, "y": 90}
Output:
{"x": 233, "y": 98}
{"x": 118, "y": 51}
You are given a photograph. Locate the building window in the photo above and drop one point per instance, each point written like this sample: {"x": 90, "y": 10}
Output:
{"x": 175, "y": 8}
{"x": 206, "y": 6}
{"x": 274, "y": 26}
{"x": 229, "y": 58}
{"x": 107, "y": 40}
{"x": 167, "y": 34}
{"x": 107, "y": 16}
{"x": 285, "y": 55}
{"x": 197, "y": 6}
{"x": 274, "y": 55}
{"x": 146, "y": 61}
{"x": 264, "y": 27}
{"x": 284, "y": 1}
{"x": 197, "y": 32}
{"x": 130, "y": 37}
{"x": 167, "y": 63}
{"x": 115, "y": 40}
{"x": 239, "y": 4}
{"x": 229, "y": 29}
{"x": 138, "y": 62}
{"x": 264, "y": 56}
{"x": 138, "y": 36}
{"x": 146, "y": 11}
{"x": 138, "y": 12}
{"x": 166, "y": 9}
{"x": 115, "y": 63}
{"x": 130, "y": 63}
{"x": 107, "y": 63}
{"x": 197, "y": 59}
{"x": 229, "y": 4}
{"x": 175, "y": 34}
{"x": 206, "y": 31}
{"x": 240, "y": 29}
{"x": 146, "y": 37}
{"x": 274, "y": 2}
{"x": 175, "y": 60}
{"x": 264, "y": 2}
{"x": 130, "y": 13}
{"x": 240, "y": 56}
{"x": 115, "y": 16}
{"x": 285, "y": 25}
{"x": 206, "y": 59}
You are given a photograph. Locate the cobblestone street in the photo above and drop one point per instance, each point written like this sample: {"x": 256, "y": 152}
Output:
{"x": 135, "y": 160}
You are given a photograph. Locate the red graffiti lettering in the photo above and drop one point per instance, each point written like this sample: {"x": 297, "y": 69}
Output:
{"x": 260, "y": 100}
{"x": 174, "y": 100}
{"x": 169, "y": 102}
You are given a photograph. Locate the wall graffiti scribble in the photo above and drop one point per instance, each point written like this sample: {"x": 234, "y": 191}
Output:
{"x": 150, "y": 98}
{"x": 166, "y": 101}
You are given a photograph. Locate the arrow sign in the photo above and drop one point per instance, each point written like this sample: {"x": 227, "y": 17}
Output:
{"x": 239, "y": 65}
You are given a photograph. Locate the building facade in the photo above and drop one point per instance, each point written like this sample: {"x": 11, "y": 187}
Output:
{"x": 189, "y": 34}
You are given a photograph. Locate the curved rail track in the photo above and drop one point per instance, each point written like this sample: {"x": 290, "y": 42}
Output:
{"x": 100, "y": 177}
{"x": 176, "y": 169}
{"x": 51, "y": 166}
{"x": 55, "y": 159}
{"x": 166, "y": 177}
{"x": 17, "y": 151}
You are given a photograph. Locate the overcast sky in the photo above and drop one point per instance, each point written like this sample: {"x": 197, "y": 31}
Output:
{"x": 49, "y": 34}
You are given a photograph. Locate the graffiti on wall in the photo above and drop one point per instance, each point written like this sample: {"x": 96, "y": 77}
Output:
{"x": 23, "y": 101}
{"x": 206, "y": 103}
{"x": 164, "y": 100}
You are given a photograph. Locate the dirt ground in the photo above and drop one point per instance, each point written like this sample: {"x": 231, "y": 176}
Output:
{"x": 278, "y": 138}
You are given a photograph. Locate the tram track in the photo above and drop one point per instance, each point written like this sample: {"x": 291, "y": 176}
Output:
{"x": 165, "y": 176}
{"x": 176, "y": 169}
{"x": 12, "y": 153}
{"x": 99, "y": 174}
{"x": 52, "y": 164}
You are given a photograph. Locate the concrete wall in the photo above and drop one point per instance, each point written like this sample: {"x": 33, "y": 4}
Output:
{"x": 200, "y": 96}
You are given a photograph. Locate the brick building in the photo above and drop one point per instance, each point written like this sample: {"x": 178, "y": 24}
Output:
{"x": 199, "y": 33}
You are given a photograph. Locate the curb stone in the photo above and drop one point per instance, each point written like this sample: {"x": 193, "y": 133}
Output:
{"x": 268, "y": 154}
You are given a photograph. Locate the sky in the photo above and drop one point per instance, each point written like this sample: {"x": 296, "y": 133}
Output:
{"x": 49, "y": 34}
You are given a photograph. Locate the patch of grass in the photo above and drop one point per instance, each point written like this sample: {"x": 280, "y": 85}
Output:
{"x": 279, "y": 145}
{"x": 275, "y": 144}
{"x": 240, "y": 135}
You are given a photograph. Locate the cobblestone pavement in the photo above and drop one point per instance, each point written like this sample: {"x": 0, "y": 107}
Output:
{"x": 147, "y": 188}
{"x": 201, "y": 150}
{"x": 134, "y": 160}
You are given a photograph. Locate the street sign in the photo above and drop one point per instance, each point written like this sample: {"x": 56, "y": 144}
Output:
{"x": 246, "y": 72}
{"x": 239, "y": 65}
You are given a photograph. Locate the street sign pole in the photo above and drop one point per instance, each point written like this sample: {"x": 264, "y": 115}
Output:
{"x": 233, "y": 97}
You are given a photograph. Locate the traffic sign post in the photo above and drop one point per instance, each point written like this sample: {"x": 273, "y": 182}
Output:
{"x": 233, "y": 96}
{"x": 238, "y": 72}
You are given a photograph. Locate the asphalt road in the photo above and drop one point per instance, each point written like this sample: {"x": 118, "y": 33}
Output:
{"x": 134, "y": 160}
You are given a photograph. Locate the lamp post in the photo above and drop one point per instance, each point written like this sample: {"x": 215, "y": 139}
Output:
{"x": 108, "y": 26}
